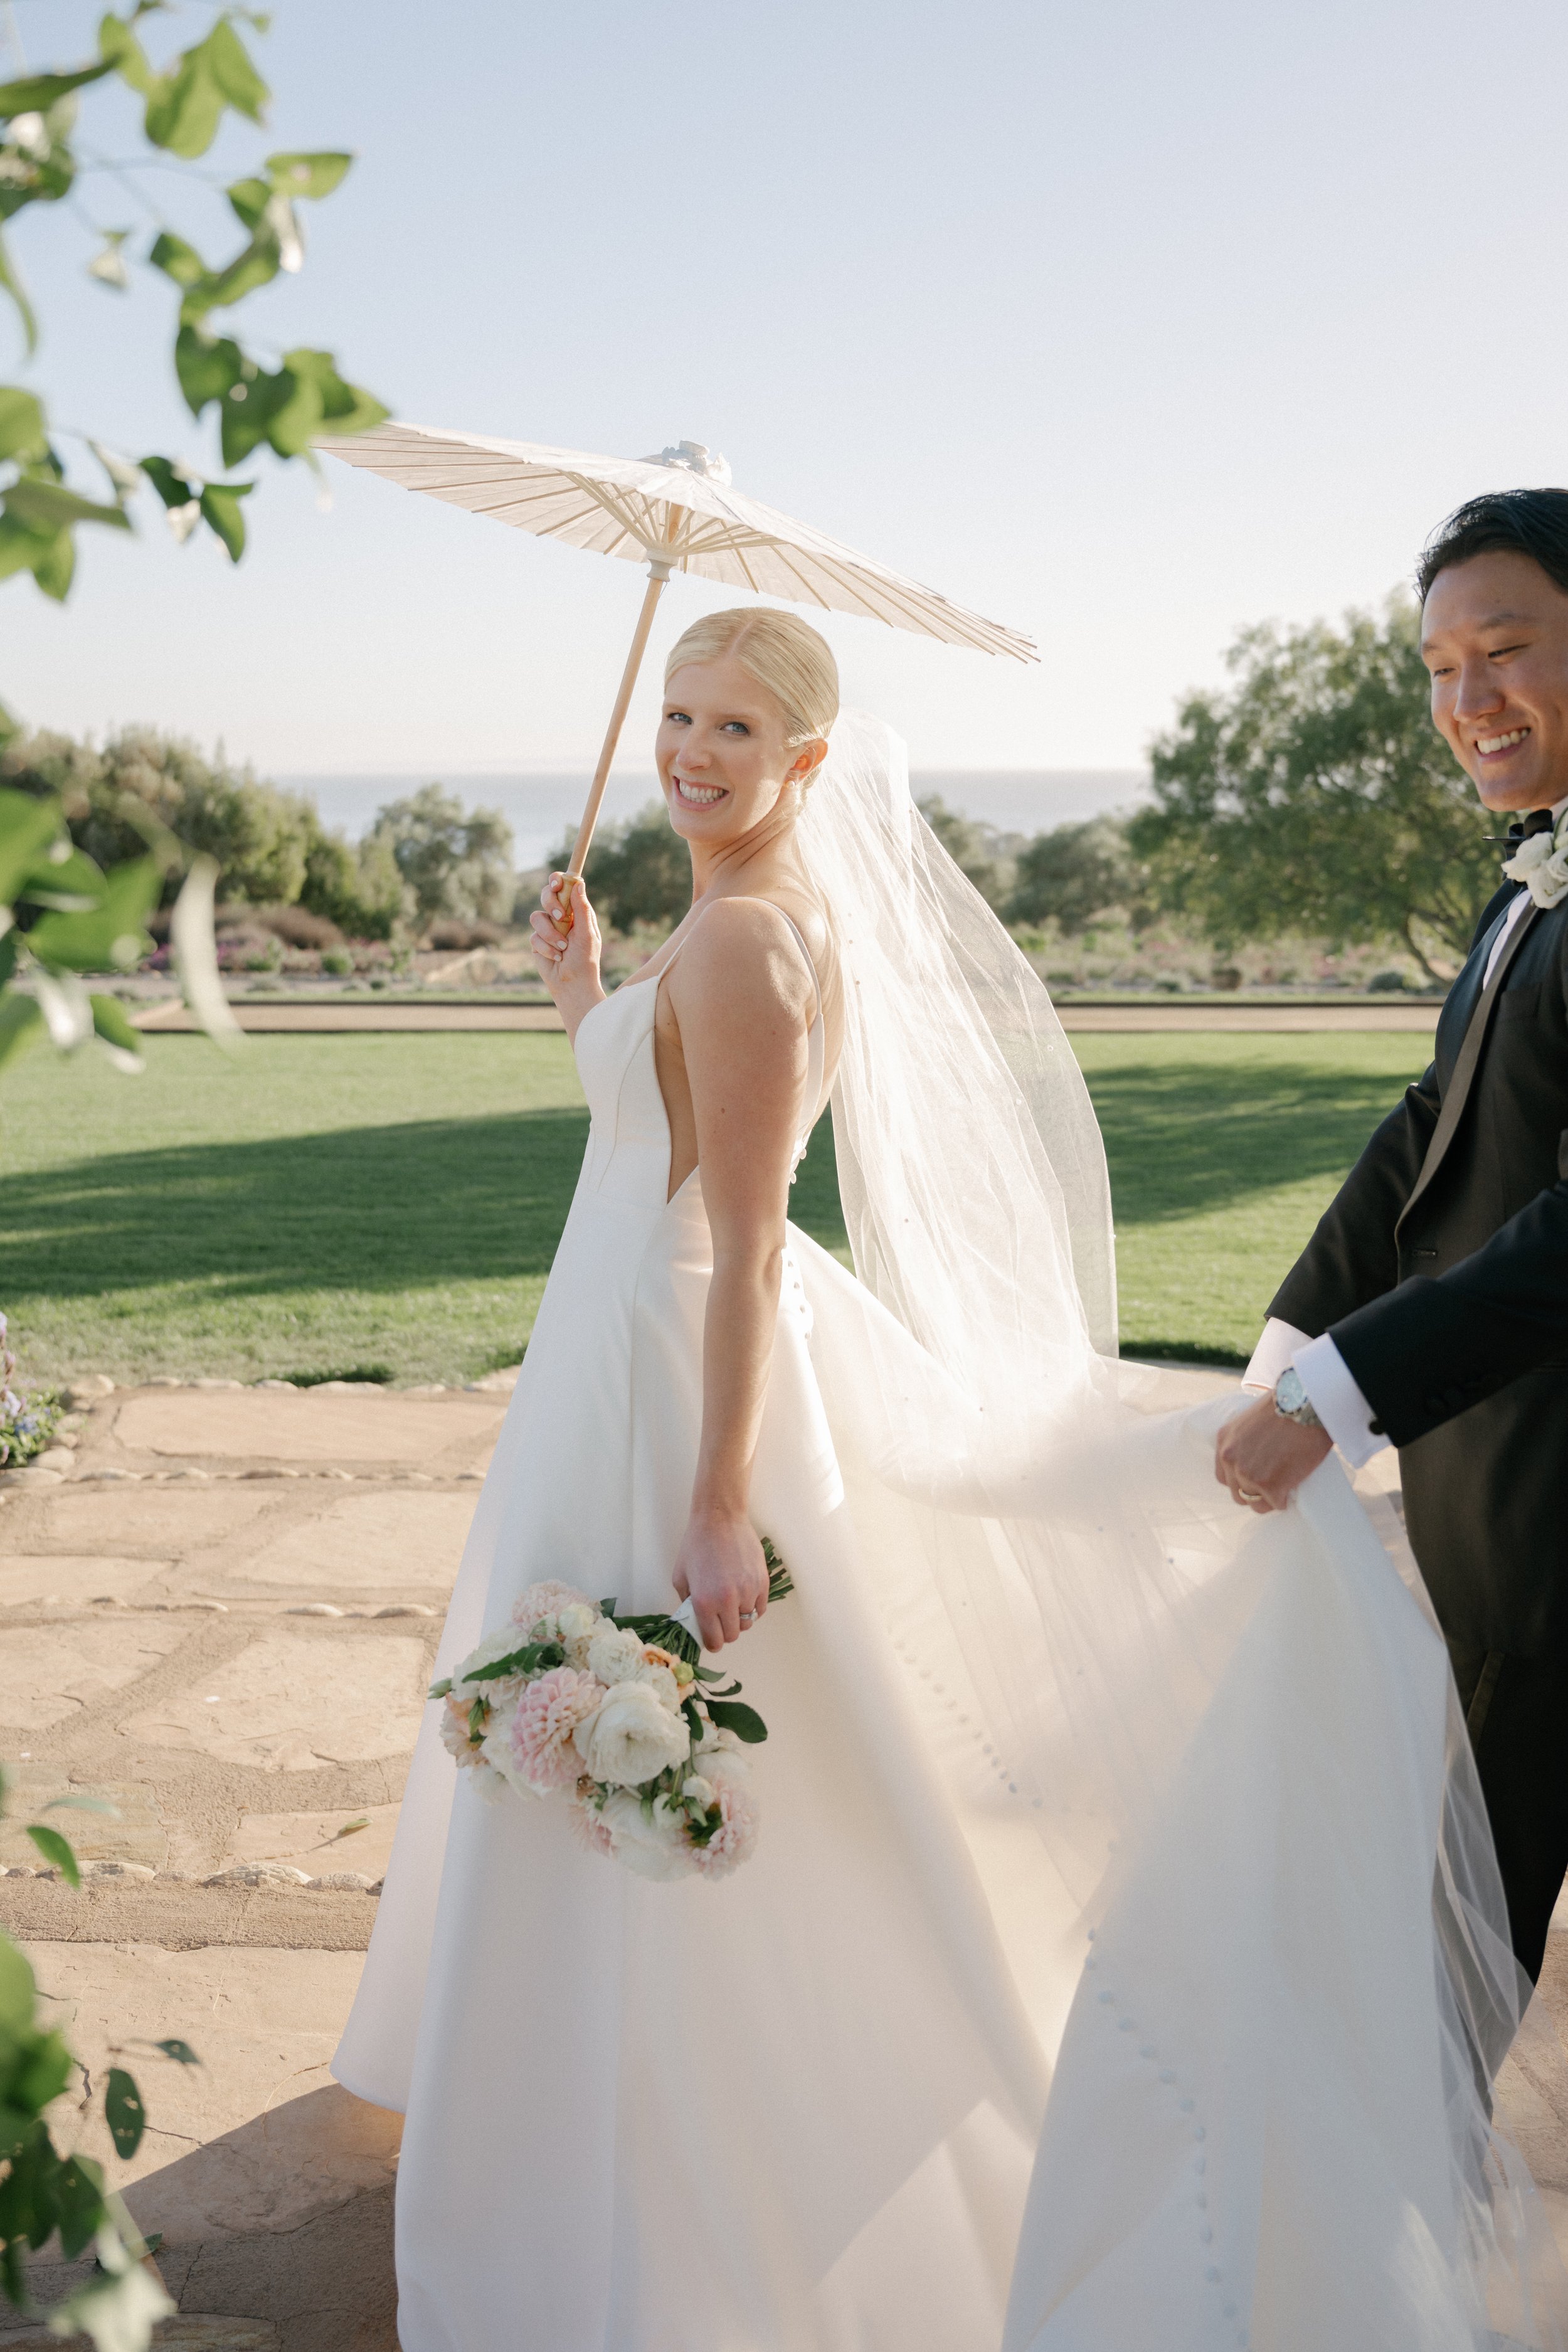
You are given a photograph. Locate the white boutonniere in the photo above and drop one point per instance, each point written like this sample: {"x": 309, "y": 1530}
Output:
{"x": 1541, "y": 863}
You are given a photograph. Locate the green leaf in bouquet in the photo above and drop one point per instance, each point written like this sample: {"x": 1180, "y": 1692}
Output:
{"x": 780, "y": 1582}
{"x": 477, "y": 1715}
{"x": 531, "y": 1659}
{"x": 733, "y": 1714}
{"x": 57, "y": 1850}
{"x": 440, "y": 1690}
{"x": 123, "y": 2112}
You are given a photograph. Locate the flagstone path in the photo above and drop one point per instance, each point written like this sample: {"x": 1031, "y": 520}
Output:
{"x": 217, "y": 1611}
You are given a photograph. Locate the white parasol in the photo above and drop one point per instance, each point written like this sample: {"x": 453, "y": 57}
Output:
{"x": 678, "y": 512}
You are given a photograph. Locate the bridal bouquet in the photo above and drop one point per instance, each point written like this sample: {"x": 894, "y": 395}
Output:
{"x": 619, "y": 1717}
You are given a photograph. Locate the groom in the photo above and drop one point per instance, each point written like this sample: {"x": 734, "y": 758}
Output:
{"x": 1430, "y": 1308}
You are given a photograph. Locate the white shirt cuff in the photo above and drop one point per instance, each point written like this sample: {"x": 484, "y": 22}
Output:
{"x": 1272, "y": 1354}
{"x": 1337, "y": 1400}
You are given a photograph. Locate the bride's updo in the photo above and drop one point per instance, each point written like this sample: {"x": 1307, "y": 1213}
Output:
{"x": 782, "y": 652}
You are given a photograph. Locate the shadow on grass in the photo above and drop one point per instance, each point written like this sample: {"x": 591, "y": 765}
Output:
{"x": 367, "y": 1208}
{"x": 373, "y": 1209}
{"x": 1186, "y": 1136}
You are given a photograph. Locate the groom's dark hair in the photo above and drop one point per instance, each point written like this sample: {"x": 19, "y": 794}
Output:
{"x": 1528, "y": 522}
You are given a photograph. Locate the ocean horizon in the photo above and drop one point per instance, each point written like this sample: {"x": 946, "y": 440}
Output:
{"x": 543, "y": 809}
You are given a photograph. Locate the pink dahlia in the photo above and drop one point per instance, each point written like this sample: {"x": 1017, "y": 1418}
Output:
{"x": 546, "y": 1599}
{"x": 590, "y": 1827}
{"x": 734, "y": 1840}
{"x": 548, "y": 1713}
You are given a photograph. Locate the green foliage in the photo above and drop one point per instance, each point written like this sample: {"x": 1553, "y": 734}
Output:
{"x": 1315, "y": 796}
{"x": 1074, "y": 873}
{"x": 637, "y": 872}
{"x": 270, "y": 846}
{"x": 982, "y": 853}
{"x": 284, "y": 409}
{"x": 43, "y": 2193}
{"x": 455, "y": 864}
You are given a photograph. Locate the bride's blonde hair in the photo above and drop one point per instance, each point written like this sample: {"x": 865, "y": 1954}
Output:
{"x": 782, "y": 652}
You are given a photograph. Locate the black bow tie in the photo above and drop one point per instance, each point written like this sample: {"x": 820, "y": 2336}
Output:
{"x": 1538, "y": 821}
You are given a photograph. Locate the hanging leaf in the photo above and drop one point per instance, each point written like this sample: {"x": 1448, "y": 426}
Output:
{"x": 57, "y": 1850}
{"x": 49, "y": 506}
{"x": 177, "y": 260}
{"x": 18, "y": 1990}
{"x": 12, "y": 284}
{"x": 231, "y": 68}
{"x": 220, "y": 508}
{"x": 111, "y": 1024}
{"x": 345, "y": 408}
{"x": 115, "y": 933}
{"x": 35, "y": 93}
{"x": 123, "y": 2112}
{"x": 123, "y": 53}
{"x": 171, "y": 486}
{"x": 21, "y": 1026}
{"x": 66, "y": 880}
{"x": 209, "y": 367}
{"x": 27, "y": 825}
{"x": 22, "y": 434}
{"x": 56, "y": 566}
{"x": 312, "y": 175}
{"x": 79, "y": 2186}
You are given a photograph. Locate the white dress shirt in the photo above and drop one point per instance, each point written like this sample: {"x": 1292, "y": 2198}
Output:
{"x": 1331, "y": 1386}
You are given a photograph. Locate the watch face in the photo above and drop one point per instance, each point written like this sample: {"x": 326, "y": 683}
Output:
{"x": 1290, "y": 1394}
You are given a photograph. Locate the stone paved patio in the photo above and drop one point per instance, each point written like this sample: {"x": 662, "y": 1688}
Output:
{"x": 217, "y": 1608}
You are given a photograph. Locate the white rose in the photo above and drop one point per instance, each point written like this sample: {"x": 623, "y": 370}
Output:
{"x": 615, "y": 1654}
{"x": 728, "y": 1764}
{"x": 661, "y": 1681}
{"x": 696, "y": 1790}
{"x": 578, "y": 1626}
{"x": 655, "y": 1848}
{"x": 632, "y": 1738}
{"x": 1549, "y": 885}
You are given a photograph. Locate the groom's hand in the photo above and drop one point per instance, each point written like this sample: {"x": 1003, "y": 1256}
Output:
{"x": 1263, "y": 1457}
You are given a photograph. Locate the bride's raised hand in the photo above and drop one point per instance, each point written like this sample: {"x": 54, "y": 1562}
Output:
{"x": 721, "y": 1568}
{"x": 566, "y": 947}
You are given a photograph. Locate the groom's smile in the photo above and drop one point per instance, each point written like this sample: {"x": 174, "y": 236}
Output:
{"x": 1495, "y": 639}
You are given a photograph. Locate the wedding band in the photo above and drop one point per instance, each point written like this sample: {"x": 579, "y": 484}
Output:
{"x": 748, "y": 1616}
{"x": 1245, "y": 1494}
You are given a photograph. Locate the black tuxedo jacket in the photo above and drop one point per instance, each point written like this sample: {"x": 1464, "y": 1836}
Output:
{"x": 1455, "y": 1327}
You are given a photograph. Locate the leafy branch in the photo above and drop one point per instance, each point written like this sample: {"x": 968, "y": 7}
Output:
{"x": 285, "y": 408}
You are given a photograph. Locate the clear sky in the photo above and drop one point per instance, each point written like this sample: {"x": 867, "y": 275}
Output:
{"x": 1127, "y": 324}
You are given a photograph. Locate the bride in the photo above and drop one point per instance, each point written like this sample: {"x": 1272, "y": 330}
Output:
{"x": 1120, "y": 1964}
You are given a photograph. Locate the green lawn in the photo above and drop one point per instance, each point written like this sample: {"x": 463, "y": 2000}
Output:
{"x": 328, "y": 1205}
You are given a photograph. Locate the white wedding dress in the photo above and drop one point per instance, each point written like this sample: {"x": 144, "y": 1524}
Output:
{"x": 1041, "y": 1697}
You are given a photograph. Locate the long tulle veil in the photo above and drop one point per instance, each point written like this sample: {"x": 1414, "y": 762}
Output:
{"x": 1283, "y": 1986}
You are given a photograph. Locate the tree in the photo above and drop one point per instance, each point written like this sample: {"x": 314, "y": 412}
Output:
{"x": 1316, "y": 796}
{"x": 637, "y": 872}
{"x": 269, "y": 846}
{"x": 285, "y": 408}
{"x": 1074, "y": 873}
{"x": 455, "y": 864}
{"x": 986, "y": 856}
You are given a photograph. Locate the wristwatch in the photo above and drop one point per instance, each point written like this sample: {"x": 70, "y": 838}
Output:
{"x": 1291, "y": 1401}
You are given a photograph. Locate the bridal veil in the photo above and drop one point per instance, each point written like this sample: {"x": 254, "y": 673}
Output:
{"x": 1274, "y": 1968}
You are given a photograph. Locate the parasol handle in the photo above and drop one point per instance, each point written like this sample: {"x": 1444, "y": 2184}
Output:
{"x": 658, "y": 572}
